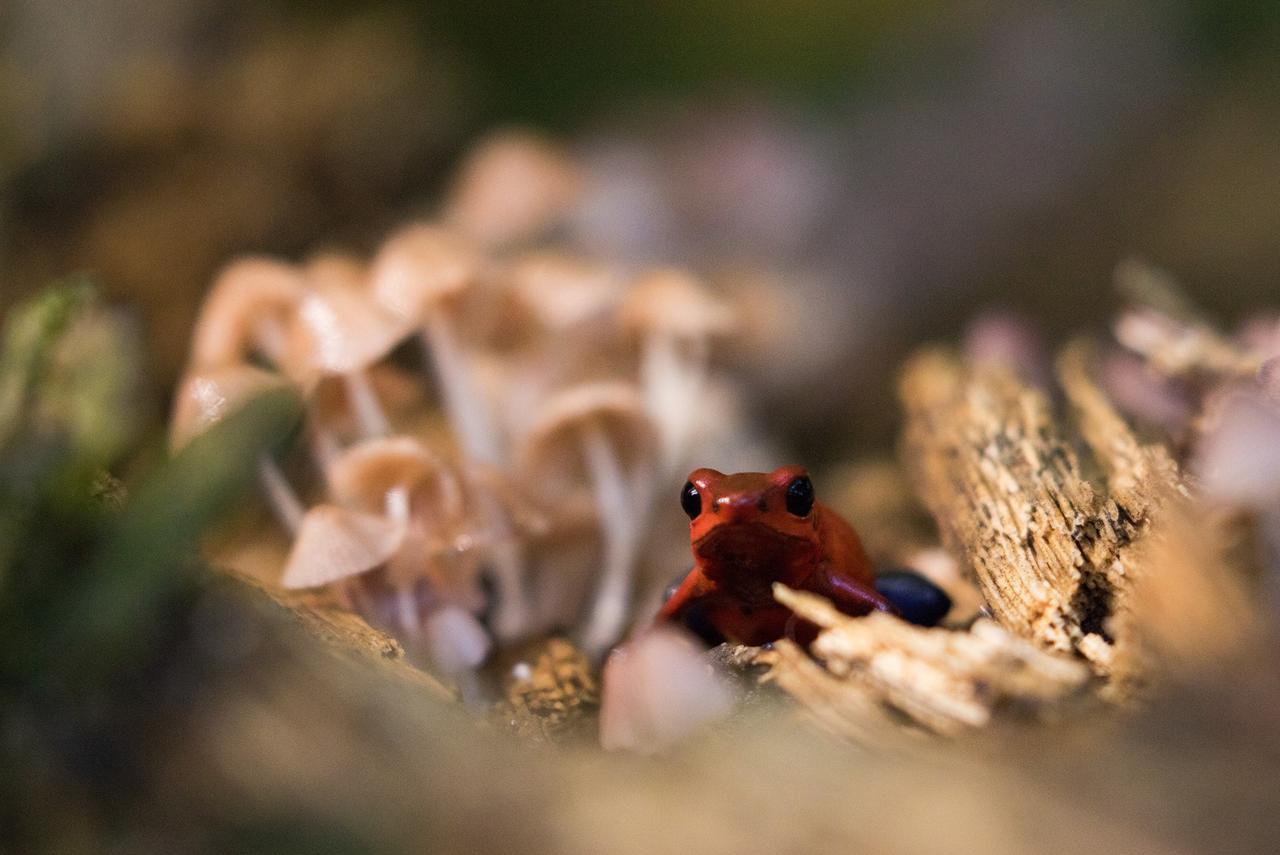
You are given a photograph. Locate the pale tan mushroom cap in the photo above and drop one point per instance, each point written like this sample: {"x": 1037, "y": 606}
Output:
{"x": 244, "y": 294}
{"x": 561, "y": 290}
{"x": 366, "y": 472}
{"x": 677, "y": 303}
{"x": 339, "y": 329}
{"x": 420, "y": 267}
{"x": 553, "y": 437}
{"x": 336, "y": 268}
{"x": 512, "y": 188}
{"x": 207, "y": 397}
{"x": 335, "y": 543}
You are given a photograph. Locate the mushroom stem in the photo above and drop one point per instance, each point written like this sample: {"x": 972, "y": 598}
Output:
{"x": 365, "y": 405}
{"x": 284, "y": 501}
{"x": 462, "y": 403}
{"x": 324, "y": 446}
{"x": 406, "y": 606}
{"x": 397, "y": 504}
{"x": 619, "y": 529}
{"x": 474, "y": 431}
{"x": 457, "y": 644}
{"x": 511, "y": 611}
{"x": 272, "y": 340}
{"x": 672, "y": 382}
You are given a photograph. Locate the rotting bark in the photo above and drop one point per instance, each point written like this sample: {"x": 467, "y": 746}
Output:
{"x": 1007, "y": 491}
{"x": 343, "y": 633}
{"x": 879, "y": 672}
{"x": 1142, "y": 478}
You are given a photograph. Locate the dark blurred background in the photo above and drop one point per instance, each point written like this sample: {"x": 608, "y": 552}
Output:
{"x": 899, "y": 165}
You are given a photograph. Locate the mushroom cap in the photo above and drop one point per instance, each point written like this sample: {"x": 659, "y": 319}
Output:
{"x": 657, "y": 689}
{"x": 243, "y": 294}
{"x": 513, "y": 187}
{"x": 336, "y": 543}
{"x": 367, "y": 471}
{"x": 675, "y": 302}
{"x": 562, "y": 290}
{"x": 206, "y": 397}
{"x": 338, "y": 328}
{"x": 615, "y": 405}
{"x": 335, "y": 268}
{"x": 421, "y": 266}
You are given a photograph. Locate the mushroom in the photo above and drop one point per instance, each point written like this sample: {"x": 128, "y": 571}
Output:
{"x": 405, "y": 481}
{"x": 416, "y": 275}
{"x": 599, "y": 430}
{"x": 561, "y": 292}
{"x": 675, "y": 318}
{"x": 248, "y": 310}
{"x": 657, "y": 690}
{"x": 339, "y": 331}
{"x": 556, "y": 312}
{"x": 514, "y": 187}
{"x": 407, "y": 484}
{"x": 329, "y": 542}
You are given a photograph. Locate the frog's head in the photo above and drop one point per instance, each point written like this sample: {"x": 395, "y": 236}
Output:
{"x": 751, "y": 519}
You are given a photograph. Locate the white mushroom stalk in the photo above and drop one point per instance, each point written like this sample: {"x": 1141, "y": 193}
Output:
{"x": 622, "y": 522}
{"x": 674, "y": 318}
{"x": 280, "y": 494}
{"x": 672, "y": 381}
{"x": 467, "y": 411}
{"x": 596, "y": 428}
{"x": 416, "y": 274}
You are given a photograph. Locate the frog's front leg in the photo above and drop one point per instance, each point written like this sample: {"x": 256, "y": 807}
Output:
{"x": 694, "y": 587}
{"x": 850, "y": 597}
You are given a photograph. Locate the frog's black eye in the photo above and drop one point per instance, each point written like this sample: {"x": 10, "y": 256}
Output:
{"x": 800, "y": 496}
{"x": 690, "y": 499}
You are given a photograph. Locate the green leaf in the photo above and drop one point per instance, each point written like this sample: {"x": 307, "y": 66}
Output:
{"x": 149, "y": 554}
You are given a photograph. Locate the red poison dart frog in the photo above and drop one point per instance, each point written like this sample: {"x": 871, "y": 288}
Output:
{"x": 752, "y": 529}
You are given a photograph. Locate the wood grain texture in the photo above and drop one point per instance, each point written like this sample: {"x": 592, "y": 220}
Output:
{"x": 1007, "y": 488}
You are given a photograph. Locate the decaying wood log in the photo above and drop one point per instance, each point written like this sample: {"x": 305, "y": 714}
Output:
{"x": 878, "y": 670}
{"x": 1142, "y": 478}
{"x": 1114, "y": 565}
{"x": 1008, "y": 493}
{"x": 342, "y": 633}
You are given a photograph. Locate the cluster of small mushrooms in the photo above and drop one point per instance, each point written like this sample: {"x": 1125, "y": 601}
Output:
{"x": 488, "y": 420}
